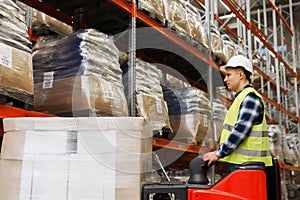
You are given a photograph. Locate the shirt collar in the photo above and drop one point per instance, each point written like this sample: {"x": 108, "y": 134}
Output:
{"x": 246, "y": 86}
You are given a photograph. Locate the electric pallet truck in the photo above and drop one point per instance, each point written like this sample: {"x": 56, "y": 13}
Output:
{"x": 251, "y": 181}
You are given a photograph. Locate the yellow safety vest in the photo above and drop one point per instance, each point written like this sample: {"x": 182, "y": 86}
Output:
{"x": 256, "y": 147}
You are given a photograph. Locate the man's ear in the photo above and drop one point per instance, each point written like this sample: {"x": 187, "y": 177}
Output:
{"x": 241, "y": 74}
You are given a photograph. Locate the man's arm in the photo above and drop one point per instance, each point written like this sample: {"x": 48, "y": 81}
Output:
{"x": 249, "y": 111}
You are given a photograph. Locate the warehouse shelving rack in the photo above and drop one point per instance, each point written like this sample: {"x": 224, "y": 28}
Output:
{"x": 249, "y": 35}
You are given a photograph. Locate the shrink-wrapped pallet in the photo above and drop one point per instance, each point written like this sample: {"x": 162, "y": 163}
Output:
{"x": 189, "y": 113}
{"x": 13, "y": 29}
{"x": 169, "y": 81}
{"x": 228, "y": 47}
{"x": 83, "y": 95}
{"x": 150, "y": 103}
{"x": 156, "y": 8}
{"x": 195, "y": 28}
{"x": 177, "y": 16}
{"x": 74, "y": 158}
{"x": 84, "y": 64}
{"x": 216, "y": 40}
{"x": 16, "y": 79}
{"x": 276, "y": 142}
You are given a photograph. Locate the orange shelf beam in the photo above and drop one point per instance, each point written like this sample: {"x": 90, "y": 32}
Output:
{"x": 289, "y": 167}
{"x": 12, "y": 112}
{"x": 220, "y": 21}
{"x": 180, "y": 146}
{"x": 168, "y": 34}
{"x": 265, "y": 76}
{"x": 280, "y": 108}
{"x": 281, "y": 17}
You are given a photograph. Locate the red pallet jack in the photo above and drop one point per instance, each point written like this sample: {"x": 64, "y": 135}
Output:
{"x": 251, "y": 181}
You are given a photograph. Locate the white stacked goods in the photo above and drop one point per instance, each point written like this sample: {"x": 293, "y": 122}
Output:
{"x": 16, "y": 79}
{"x": 74, "y": 158}
{"x": 150, "y": 103}
{"x": 77, "y": 73}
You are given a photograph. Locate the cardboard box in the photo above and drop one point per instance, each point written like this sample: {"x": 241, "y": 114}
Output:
{"x": 80, "y": 93}
{"x": 16, "y": 77}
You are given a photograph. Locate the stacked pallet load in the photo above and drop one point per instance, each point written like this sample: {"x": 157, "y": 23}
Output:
{"x": 95, "y": 158}
{"x": 78, "y": 75}
{"x": 150, "y": 102}
{"x": 190, "y": 114}
{"x": 16, "y": 79}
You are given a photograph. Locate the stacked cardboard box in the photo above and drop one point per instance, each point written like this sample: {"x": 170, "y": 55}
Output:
{"x": 74, "y": 158}
{"x": 79, "y": 73}
{"x": 16, "y": 79}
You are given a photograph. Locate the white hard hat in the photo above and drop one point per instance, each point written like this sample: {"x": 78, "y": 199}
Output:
{"x": 239, "y": 61}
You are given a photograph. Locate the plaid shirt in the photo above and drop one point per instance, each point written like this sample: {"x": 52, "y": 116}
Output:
{"x": 250, "y": 113}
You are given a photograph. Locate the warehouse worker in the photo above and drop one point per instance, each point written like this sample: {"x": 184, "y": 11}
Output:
{"x": 244, "y": 137}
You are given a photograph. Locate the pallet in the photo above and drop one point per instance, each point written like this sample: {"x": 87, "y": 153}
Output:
{"x": 7, "y": 100}
{"x": 156, "y": 17}
{"x": 83, "y": 113}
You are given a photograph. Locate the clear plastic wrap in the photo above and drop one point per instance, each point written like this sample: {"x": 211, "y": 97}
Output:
{"x": 95, "y": 96}
{"x": 190, "y": 114}
{"x": 177, "y": 16}
{"x": 169, "y": 81}
{"x": 150, "y": 103}
{"x": 13, "y": 29}
{"x": 276, "y": 142}
{"x": 228, "y": 47}
{"x": 84, "y": 64}
{"x": 74, "y": 158}
{"x": 155, "y": 7}
{"x": 195, "y": 28}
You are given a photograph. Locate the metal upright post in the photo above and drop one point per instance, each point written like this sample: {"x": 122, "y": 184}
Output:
{"x": 268, "y": 58}
{"x": 132, "y": 61}
{"x": 249, "y": 33}
{"x": 283, "y": 77}
{"x": 278, "y": 94}
{"x": 208, "y": 16}
{"x": 294, "y": 63}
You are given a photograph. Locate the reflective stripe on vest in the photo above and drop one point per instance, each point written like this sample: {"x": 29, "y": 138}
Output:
{"x": 252, "y": 133}
{"x": 256, "y": 147}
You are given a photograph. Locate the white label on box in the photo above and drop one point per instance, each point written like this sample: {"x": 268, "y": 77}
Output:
{"x": 108, "y": 90}
{"x": 6, "y": 55}
{"x": 48, "y": 80}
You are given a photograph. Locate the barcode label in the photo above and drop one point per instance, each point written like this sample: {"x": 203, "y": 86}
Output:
{"x": 48, "y": 80}
{"x": 108, "y": 90}
{"x": 6, "y": 56}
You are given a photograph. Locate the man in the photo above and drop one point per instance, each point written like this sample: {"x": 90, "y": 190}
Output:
{"x": 244, "y": 137}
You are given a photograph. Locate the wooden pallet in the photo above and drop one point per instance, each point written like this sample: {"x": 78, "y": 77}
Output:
{"x": 16, "y": 102}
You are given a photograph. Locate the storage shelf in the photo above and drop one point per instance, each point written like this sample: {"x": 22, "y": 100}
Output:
{"x": 180, "y": 146}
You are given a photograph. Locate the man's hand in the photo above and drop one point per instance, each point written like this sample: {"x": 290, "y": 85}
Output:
{"x": 210, "y": 157}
